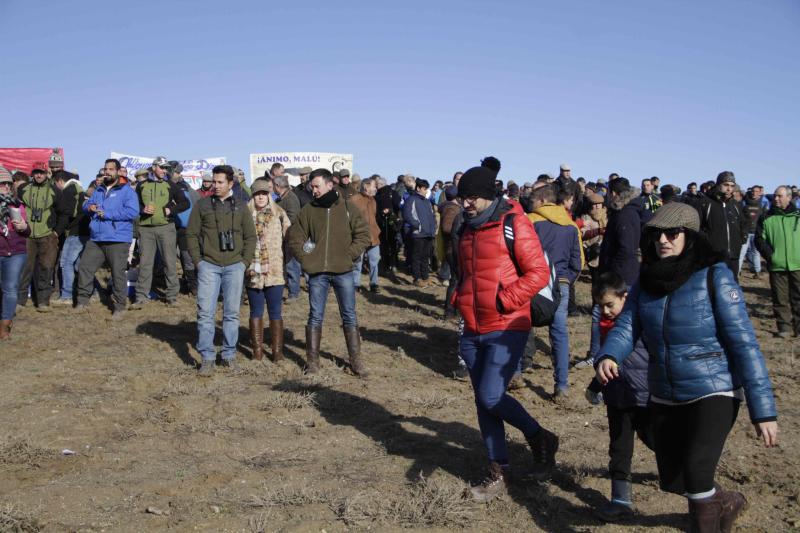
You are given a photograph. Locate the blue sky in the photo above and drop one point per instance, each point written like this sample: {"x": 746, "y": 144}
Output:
{"x": 678, "y": 89}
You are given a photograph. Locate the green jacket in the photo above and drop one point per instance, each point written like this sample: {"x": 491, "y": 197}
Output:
{"x": 339, "y": 234}
{"x": 162, "y": 194}
{"x": 778, "y": 238}
{"x": 40, "y": 203}
{"x": 209, "y": 217}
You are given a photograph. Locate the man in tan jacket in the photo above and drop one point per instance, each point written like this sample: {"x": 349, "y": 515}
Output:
{"x": 365, "y": 202}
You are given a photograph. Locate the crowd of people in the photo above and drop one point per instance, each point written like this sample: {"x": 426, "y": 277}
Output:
{"x": 672, "y": 344}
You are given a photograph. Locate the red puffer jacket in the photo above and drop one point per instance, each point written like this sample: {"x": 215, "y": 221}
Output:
{"x": 489, "y": 279}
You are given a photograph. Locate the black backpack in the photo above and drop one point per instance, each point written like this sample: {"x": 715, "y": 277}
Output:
{"x": 544, "y": 303}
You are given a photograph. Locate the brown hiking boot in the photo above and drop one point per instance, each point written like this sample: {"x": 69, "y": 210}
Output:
{"x": 705, "y": 514}
{"x": 276, "y": 339}
{"x": 313, "y": 338}
{"x": 544, "y": 446}
{"x": 353, "y": 341}
{"x": 5, "y": 329}
{"x": 493, "y": 486}
{"x": 516, "y": 383}
{"x": 733, "y": 504}
{"x": 257, "y": 338}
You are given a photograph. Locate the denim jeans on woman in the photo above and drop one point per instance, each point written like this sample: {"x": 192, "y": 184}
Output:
{"x": 559, "y": 340}
{"x": 10, "y": 271}
{"x": 211, "y": 279}
{"x": 271, "y": 296}
{"x": 373, "y": 258}
{"x": 70, "y": 253}
{"x": 318, "y": 285}
{"x": 492, "y": 359}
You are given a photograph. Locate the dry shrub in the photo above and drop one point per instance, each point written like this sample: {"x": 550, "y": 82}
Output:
{"x": 288, "y": 400}
{"x": 23, "y": 452}
{"x": 261, "y": 523}
{"x": 426, "y": 503}
{"x": 180, "y": 385}
{"x": 288, "y": 497}
{"x": 15, "y": 520}
{"x": 271, "y": 460}
{"x": 431, "y": 400}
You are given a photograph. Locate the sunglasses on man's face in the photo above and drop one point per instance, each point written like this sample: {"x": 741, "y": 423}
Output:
{"x": 670, "y": 233}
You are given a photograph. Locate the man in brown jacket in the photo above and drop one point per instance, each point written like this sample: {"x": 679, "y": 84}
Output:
{"x": 365, "y": 202}
{"x": 329, "y": 236}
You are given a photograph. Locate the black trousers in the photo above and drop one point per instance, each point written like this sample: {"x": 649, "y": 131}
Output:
{"x": 623, "y": 425}
{"x": 689, "y": 440}
{"x": 421, "y": 257}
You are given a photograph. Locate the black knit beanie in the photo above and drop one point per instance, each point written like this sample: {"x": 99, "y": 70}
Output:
{"x": 478, "y": 181}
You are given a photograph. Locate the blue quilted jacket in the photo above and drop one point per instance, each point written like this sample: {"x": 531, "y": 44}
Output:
{"x": 696, "y": 346}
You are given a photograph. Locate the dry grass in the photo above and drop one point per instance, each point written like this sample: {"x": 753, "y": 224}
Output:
{"x": 430, "y": 400}
{"x": 288, "y": 497}
{"x": 261, "y": 523}
{"x": 23, "y": 452}
{"x": 288, "y": 400}
{"x": 426, "y": 503}
{"x": 14, "y": 519}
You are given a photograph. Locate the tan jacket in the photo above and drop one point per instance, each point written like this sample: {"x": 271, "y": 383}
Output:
{"x": 368, "y": 208}
{"x": 275, "y": 230}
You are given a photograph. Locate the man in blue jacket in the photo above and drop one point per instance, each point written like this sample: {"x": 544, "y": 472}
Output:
{"x": 112, "y": 209}
{"x": 420, "y": 226}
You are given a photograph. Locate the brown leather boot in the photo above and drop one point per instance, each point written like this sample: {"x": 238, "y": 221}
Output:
{"x": 733, "y": 504}
{"x": 353, "y": 341}
{"x": 705, "y": 514}
{"x": 495, "y": 484}
{"x": 276, "y": 339}
{"x": 313, "y": 338}
{"x": 5, "y": 329}
{"x": 257, "y": 338}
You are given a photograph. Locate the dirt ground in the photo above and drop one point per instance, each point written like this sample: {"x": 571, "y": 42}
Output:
{"x": 269, "y": 449}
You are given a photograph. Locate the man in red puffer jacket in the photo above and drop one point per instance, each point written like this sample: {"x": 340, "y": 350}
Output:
{"x": 493, "y": 296}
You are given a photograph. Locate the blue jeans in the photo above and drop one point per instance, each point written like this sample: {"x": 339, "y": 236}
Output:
{"x": 211, "y": 279}
{"x": 374, "y": 258}
{"x": 559, "y": 340}
{"x": 70, "y": 253}
{"x": 344, "y": 290}
{"x": 10, "y": 270}
{"x": 293, "y": 273}
{"x": 492, "y": 360}
{"x": 272, "y": 296}
{"x": 750, "y": 251}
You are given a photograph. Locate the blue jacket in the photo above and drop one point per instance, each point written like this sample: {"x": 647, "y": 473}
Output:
{"x": 418, "y": 216}
{"x": 620, "y": 249}
{"x": 696, "y": 347}
{"x": 120, "y": 207}
{"x": 559, "y": 237}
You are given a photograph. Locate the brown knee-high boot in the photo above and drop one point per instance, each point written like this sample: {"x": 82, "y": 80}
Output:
{"x": 257, "y": 337}
{"x": 353, "y": 341}
{"x": 276, "y": 339}
{"x": 313, "y": 338}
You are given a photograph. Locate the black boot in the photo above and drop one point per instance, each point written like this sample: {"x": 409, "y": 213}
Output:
{"x": 353, "y": 341}
{"x": 620, "y": 506}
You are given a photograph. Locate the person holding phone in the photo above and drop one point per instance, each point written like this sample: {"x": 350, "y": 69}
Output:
{"x": 14, "y": 231}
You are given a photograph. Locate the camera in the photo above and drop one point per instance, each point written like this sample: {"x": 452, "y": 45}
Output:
{"x": 36, "y": 214}
{"x": 226, "y": 242}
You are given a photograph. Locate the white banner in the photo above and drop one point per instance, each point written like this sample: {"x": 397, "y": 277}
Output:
{"x": 294, "y": 161}
{"x": 192, "y": 168}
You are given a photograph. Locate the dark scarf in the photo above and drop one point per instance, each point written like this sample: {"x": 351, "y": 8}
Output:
{"x": 483, "y": 217}
{"x": 663, "y": 276}
{"x": 327, "y": 199}
{"x": 6, "y": 201}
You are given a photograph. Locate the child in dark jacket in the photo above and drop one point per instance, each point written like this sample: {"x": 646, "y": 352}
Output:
{"x": 626, "y": 398}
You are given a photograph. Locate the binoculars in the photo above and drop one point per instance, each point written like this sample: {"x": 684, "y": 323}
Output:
{"x": 226, "y": 241}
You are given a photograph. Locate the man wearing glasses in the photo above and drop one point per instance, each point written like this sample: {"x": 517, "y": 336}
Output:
{"x": 159, "y": 201}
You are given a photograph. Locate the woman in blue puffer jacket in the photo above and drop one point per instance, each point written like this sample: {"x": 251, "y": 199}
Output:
{"x": 704, "y": 359}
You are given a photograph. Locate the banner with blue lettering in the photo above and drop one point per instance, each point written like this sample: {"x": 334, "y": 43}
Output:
{"x": 294, "y": 161}
{"x": 192, "y": 168}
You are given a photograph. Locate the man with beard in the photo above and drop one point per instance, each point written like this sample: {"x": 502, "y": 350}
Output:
{"x": 753, "y": 209}
{"x": 328, "y": 237}
{"x": 722, "y": 219}
{"x": 112, "y": 209}
{"x": 72, "y": 227}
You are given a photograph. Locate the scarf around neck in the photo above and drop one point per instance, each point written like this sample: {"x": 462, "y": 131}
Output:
{"x": 481, "y": 218}
{"x": 327, "y": 199}
{"x": 663, "y": 276}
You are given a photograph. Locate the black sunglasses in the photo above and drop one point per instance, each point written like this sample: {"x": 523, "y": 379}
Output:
{"x": 670, "y": 233}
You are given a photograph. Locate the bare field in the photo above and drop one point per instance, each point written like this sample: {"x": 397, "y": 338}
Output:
{"x": 269, "y": 449}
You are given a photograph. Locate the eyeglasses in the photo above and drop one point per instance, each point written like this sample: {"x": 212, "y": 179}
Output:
{"x": 670, "y": 233}
{"x": 468, "y": 199}
{"x": 163, "y": 167}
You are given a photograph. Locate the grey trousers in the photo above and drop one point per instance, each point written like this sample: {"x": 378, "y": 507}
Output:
{"x": 786, "y": 300}
{"x": 164, "y": 240}
{"x": 93, "y": 256}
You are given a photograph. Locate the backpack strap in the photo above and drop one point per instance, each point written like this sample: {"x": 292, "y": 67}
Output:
{"x": 508, "y": 237}
{"x": 712, "y": 296}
